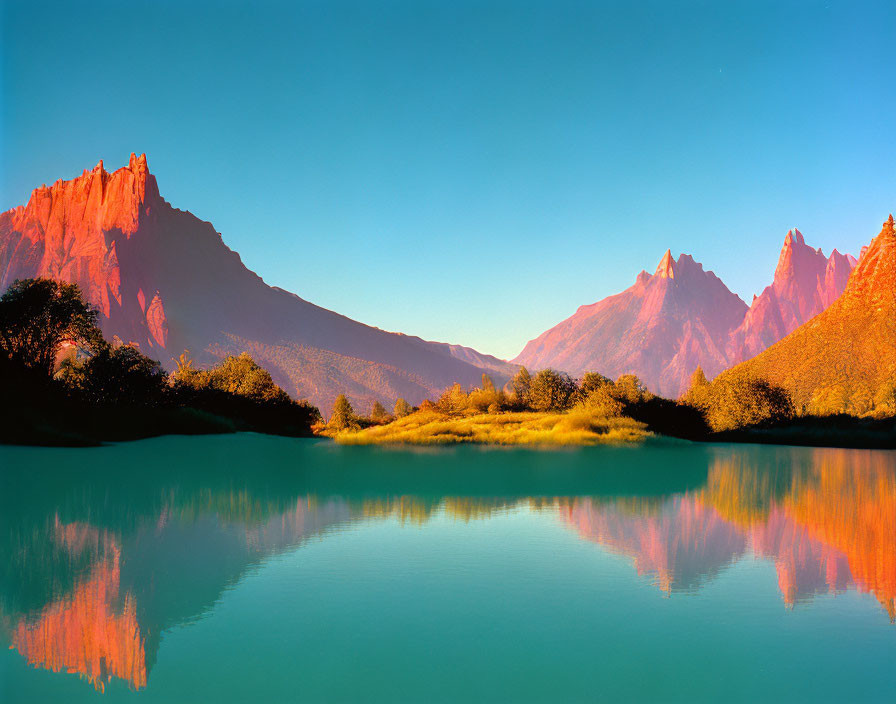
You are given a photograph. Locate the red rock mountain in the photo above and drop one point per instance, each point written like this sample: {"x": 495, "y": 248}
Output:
{"x": 806, "y": 282}
{"x": 164, "y": 279}
{"x": 843, "y": 359}
{"x": 666, "y": 324}
{"x": 661, "y": 329}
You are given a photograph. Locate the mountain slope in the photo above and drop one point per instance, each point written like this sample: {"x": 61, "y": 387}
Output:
{"x": 805, "y": 283}
{"x": 842, "y": 358}
{"x": 164, "y": 279}
{"x": 661, "y": 329}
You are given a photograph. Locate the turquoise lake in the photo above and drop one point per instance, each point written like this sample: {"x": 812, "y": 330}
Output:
{"x": 249, "y": 568}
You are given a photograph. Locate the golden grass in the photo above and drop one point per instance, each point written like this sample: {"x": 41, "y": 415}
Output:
{"x": 575, "y": 427}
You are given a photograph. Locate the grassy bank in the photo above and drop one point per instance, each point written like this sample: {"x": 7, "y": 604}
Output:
{"x": 428, "y": 427}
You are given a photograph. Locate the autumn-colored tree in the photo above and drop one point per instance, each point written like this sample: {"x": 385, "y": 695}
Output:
{"x": 551, "y": 391}
{"x": 698, "y": 393}
{"x": 402, "y": 408}
{"x": 343, "y": 414}
{"x": 592, "y": 381}
{"x": 378, "y": 413}
{"x": 487, "y": 397}
{"x": 520, "y": 385}
{"x": 37, "y": 316}
{"x": 603, "y": 402}
{"x": 740, "y": 402}
{"x": 453, "y": 401}
{"x": 238, "y": 375}
{"x": 885, "y": 399}
{"x": 629, "y": 389}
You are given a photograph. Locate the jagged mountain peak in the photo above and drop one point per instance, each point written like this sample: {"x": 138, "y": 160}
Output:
{"x": 841, "y": 358}
{"x": 666, "y": 267}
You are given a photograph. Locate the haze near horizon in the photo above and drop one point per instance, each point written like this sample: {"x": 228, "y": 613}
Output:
{"x": 469, "y": 174}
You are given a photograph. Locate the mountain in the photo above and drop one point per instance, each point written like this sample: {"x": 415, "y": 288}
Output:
{"x": 844, "y": 357}
{"x": 164, "y": 279}
{"x": 661, "y": 329}
{"x": 806, "y": 282}
{"x": 666, "y": 324}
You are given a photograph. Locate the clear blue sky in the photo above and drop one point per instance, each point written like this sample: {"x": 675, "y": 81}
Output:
{"x": 470, "y": 172}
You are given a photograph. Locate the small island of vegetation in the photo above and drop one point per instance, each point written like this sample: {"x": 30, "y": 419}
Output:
{"x": 550, "y": 408}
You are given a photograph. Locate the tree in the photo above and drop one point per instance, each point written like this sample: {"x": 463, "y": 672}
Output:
{"x": 37, "y": 316}
{"x": 239, "y": 375}
{"x": 402, "y": 408}
{"x": 592, "y": 381}
{"x": 377, "y": 412}
{"x": 885, "y": 399}
{"x": 698, "y": 392}
{"x": 122, "y": 375}
{"x": 454, "y": 400}
{"x": 740, "y": 402}
{"x": 343, "y": 413}
{"x": 487, "y": 384}
{"x": 551, "y": 391}
{"x": 520, "y": 385}
{"x": 629, "y": 389}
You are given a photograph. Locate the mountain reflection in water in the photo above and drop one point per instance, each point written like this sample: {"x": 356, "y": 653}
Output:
{"x": 98, "y": 562}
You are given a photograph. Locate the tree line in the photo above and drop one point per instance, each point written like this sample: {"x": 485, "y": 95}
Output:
{"x": 706, "y": 408}
{"x": 60, "y": 378}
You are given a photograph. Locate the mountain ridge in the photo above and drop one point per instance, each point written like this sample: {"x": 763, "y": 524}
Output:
{"x": 164, "y": 279}
{"x": 705, "y": 323}
{"x": 843, "y": 358}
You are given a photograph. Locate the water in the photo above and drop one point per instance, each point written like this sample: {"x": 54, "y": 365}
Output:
{"x": 253, "y": 568}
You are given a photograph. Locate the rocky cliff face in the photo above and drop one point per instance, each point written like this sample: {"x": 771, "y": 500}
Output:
{"x": 661, "y": 329}
{"x": 164, "y": 279}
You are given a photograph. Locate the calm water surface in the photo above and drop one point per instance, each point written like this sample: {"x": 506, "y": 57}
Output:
{"x": 252, "y": 568}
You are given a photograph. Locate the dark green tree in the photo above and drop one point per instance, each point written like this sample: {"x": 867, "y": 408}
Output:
{"x": 122, "y": 376}
{"x": 37, "y": 316}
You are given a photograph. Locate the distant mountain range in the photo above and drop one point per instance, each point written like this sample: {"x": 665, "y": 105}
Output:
{"x": 668, "y": 323}
{"x": 845, "y": 358}
{"x": 164, "y": 279}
